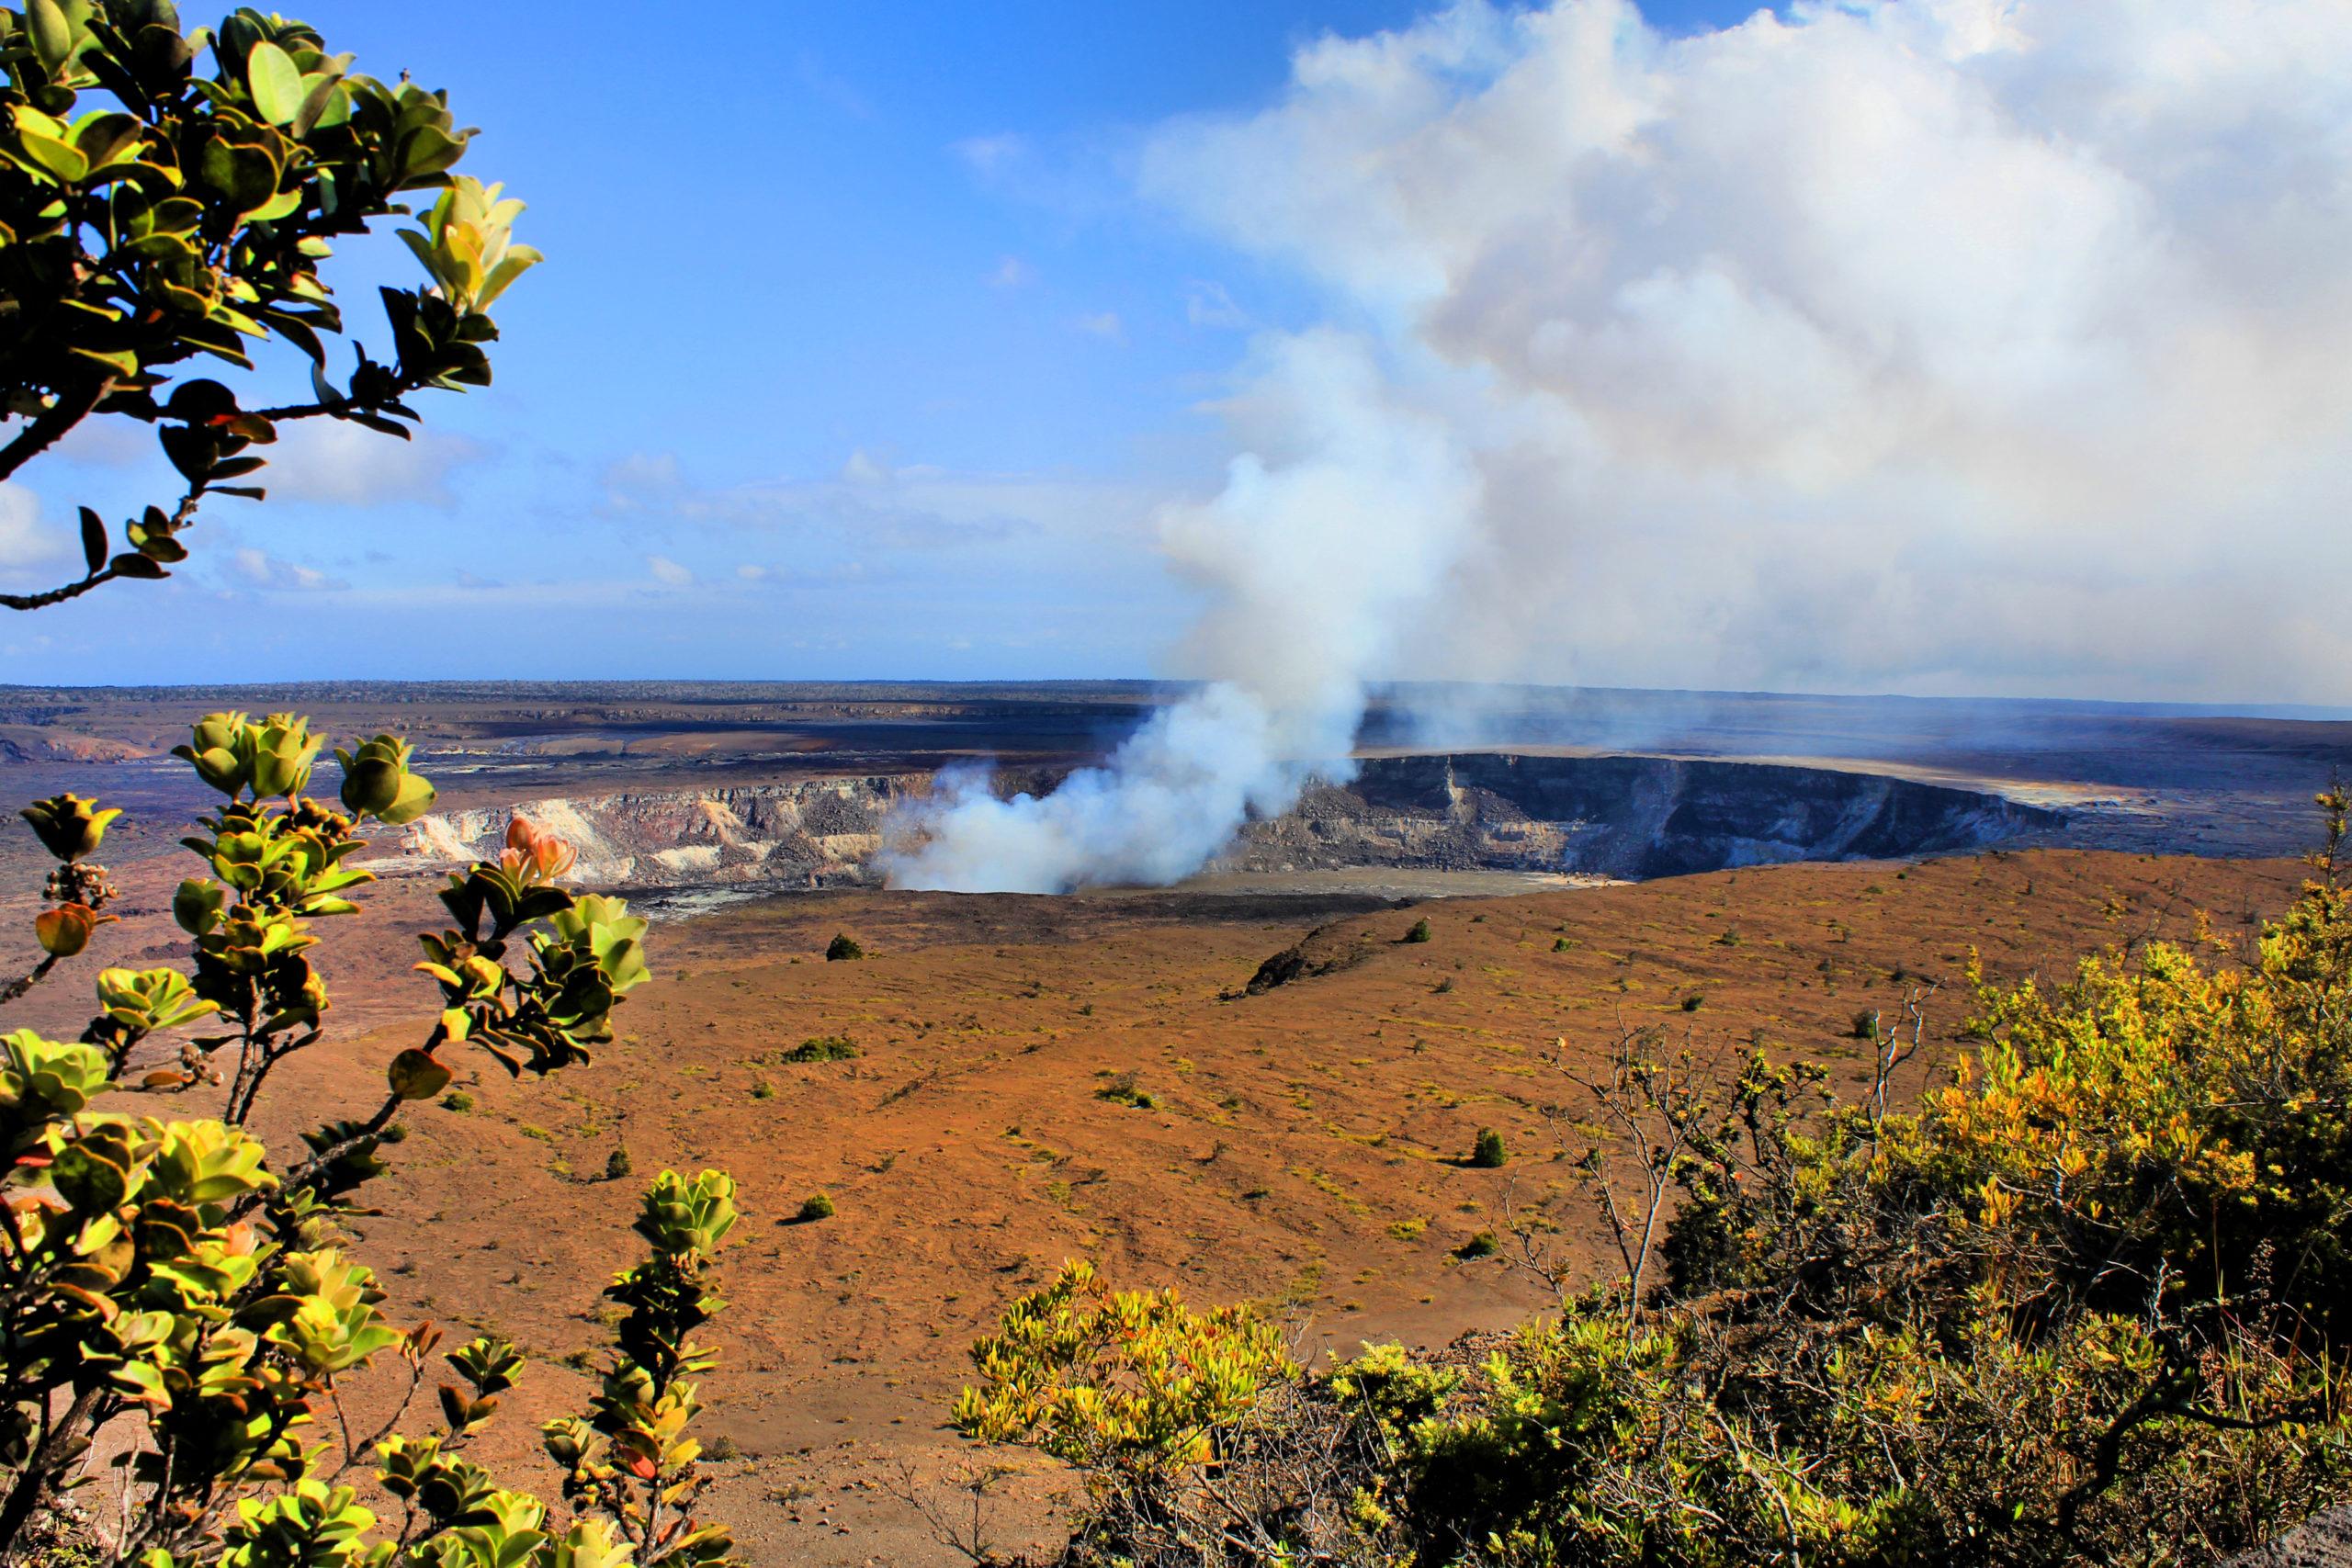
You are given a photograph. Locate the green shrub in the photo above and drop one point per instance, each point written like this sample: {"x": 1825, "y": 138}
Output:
{"x": 239, "y": 1265}
{"x": 1419, "y": 931}
{"x": 842, "y": 946}
{"x": 1483, "y": 1245}
{"x": 457, "y": 1099}
{"x": 1083, "y": 1373}
{"x": 618, "y": 1167}
{"x": 1866, "y": 1025}
{"x": 1487, "y": 1152}
{"x": 168, "y": 1290}
{"x": 154, "y": 213}
{"x": 1695, "y": 1002}
{"x": 816, "y": 1206}
{"x": 823, "y": 1048}
{"x": 2087, "y": 1302}
{"x": 1123, "y": 1089}
{"x": 762, "y": 1090}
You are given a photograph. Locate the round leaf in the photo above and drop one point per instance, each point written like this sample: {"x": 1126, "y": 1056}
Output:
{"x": 415, "y": 1076}
{"x": 53, "y": 34}
{"x": 277, "y": 83}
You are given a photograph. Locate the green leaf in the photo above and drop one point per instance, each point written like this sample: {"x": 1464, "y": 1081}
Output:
{"x": 297, "y": 331}
{"x": 53, "y": 34}
{"x": 122, "y": 362}
{"x": 427, "y": 150}
{"x": 46, "y": 155}
{"x": 94, "y": 539}
{"x": 102, "y": 138}
{"x": 426, "y": 254}
{"x": 325, "y": 93}
{"x": 375, "y": 422}
{"x": 137, "y": 566}
{"x": 415, "y": 1076}
{"x": 519, "y": 259}
{"x": 247, "y": 174}
{"x": 285, "y": 204}
{"x": 277, "y": 83}
{"x": 159, "y": 247}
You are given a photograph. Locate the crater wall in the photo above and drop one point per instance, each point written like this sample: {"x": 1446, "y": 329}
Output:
{"x": 1627, "y": 816}
{"x": 1621, "y": 816}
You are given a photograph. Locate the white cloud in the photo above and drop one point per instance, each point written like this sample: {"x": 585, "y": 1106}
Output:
{"x": 335, "y": 463}
{"x": 258, "y": 569}
{"x": 668, "y": 572}
{"x": 1208, "y": 304}
{"x": 989, "y": 154}
{"x": 1933, "y": 344}
{"x": 1012, "y": 273}
{"x": 874, "y": 504}
{"x": 751, "y": 571}
{"x": 865, "y": 468}
{"x": 25, "y": 541}
{"x": 1105, "y": 325}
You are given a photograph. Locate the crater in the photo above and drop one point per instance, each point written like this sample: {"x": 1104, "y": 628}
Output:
{"x": 1629, "y": 816}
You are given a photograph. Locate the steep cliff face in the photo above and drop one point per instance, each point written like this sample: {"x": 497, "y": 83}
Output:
{"x": 821, "y": 832}
{"x": 1635, "y": 817}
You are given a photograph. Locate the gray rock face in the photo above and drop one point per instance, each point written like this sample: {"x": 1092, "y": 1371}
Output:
{"x": 820, "y": 832}
{"x": 2324, "y": 1542}
{"x": 1631, "y": 817}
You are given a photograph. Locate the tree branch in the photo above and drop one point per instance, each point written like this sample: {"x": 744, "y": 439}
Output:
{"x": 68, "y": 409}
{"x": 181, "y": 515}
{"x": 57, "y": 595}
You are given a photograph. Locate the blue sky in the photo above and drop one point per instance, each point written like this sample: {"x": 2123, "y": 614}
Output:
{"x": 921, "y": 341}
{"x": 893, "y": 242}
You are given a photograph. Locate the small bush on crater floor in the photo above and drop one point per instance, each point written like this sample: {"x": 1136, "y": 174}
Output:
{"x": 458, "y": 1101}
{"x": 842, "y": 946}
{"x": 1487, "y": 1152}
{"x": 1866, "y": 1025}
{"x": 824, "y": 1047}
{"x": 1420, "y": 931}
{"x": 816, "y": 1206}
{"x": 1695, "y": 1002}
{"x": 1483, "y": 1245}
{"x": 1123, "y": 1090}
{"x": 618, "y": 1166}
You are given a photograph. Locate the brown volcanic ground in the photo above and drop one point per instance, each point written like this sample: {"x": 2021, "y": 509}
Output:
{"x": 1296, "y": 1141}
{"x": 1300, "y": 1150}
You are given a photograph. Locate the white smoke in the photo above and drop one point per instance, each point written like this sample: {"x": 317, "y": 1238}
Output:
{"x": 1934, "y": 345}
{"x": 1328, "y": 532}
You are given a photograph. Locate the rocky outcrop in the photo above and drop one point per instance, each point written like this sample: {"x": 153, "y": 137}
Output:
{"x": 815, "y": 834}
{"x": 2324, "y": 1542}
{"x": 1630, "y": 816}
{"x": 1326, "y": 950}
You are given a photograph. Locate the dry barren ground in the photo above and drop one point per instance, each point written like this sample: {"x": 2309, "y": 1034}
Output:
{"x": 1042, "y": 1078}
